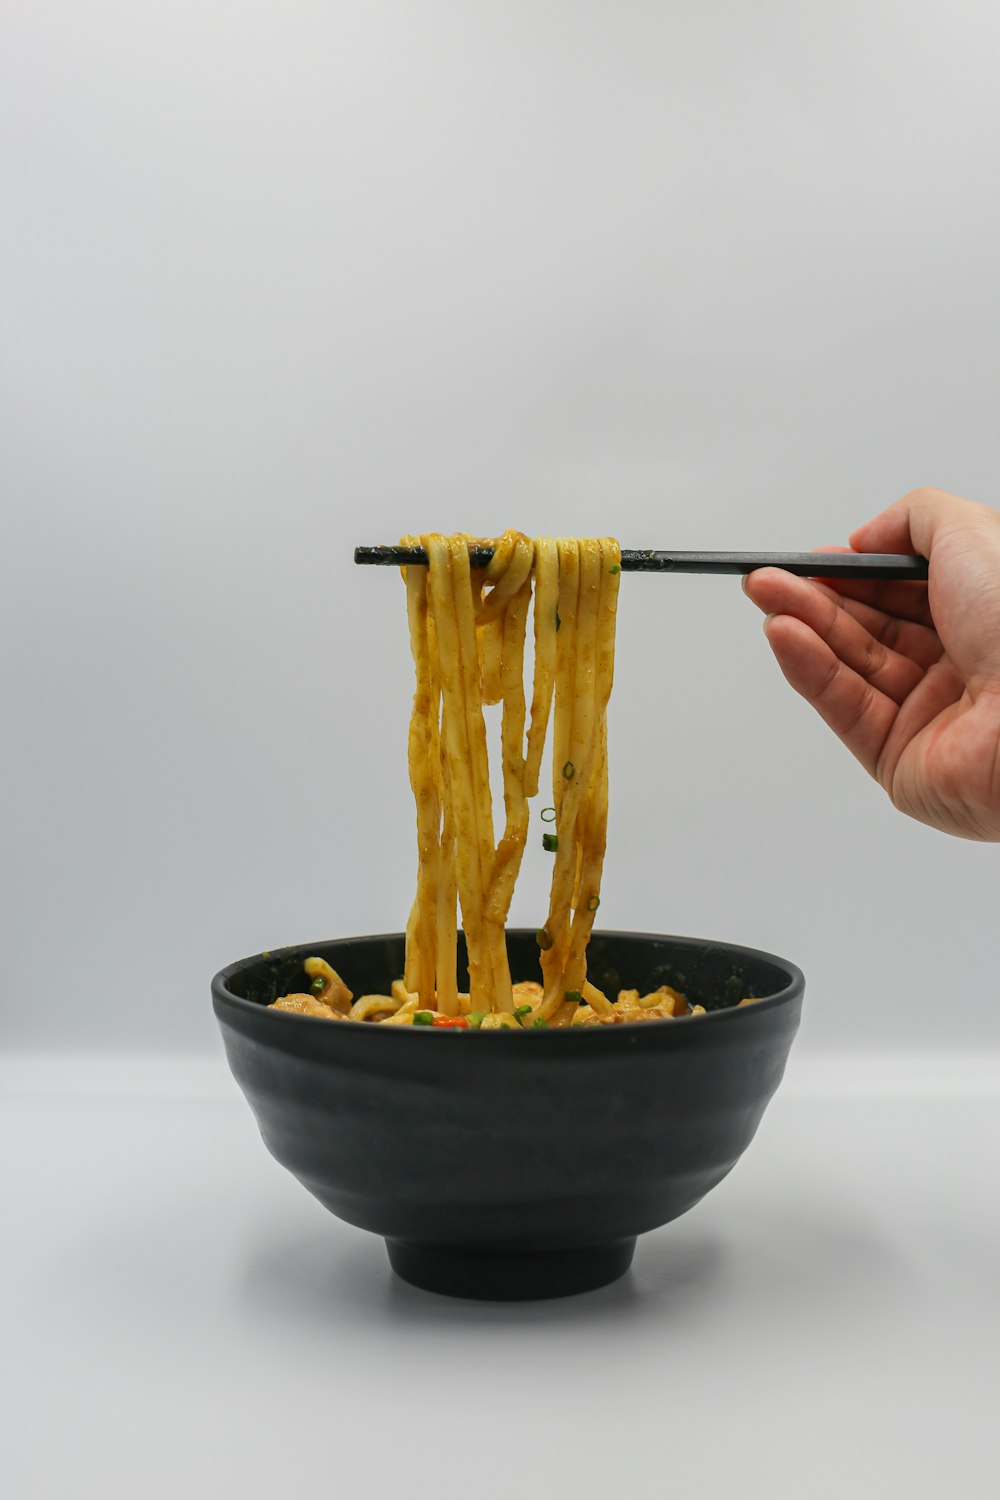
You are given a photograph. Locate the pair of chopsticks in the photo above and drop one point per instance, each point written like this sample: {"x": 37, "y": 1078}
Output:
{"x": 805, "y": 564}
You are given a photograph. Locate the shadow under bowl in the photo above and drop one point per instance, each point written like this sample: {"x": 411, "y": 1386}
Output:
{"x": 508, "y": 1165}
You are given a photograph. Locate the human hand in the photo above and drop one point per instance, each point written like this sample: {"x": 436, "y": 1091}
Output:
{"x": 907, "y": 674}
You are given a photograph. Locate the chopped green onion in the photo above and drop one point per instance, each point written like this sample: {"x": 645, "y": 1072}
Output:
{"x": 550, "y": 842}
{"x": 615, "y": 568}
{"x": 574, "y": 996}
{"x": 423, "y": 1018}
{"x": 476, "y": 1018}
{"x": 318, "y": 984}
{"x": 522, "y": 1010}
{"x": 569, "y": 770}
{"x": 593, "y": 903}
{"x": 544, "y": 814}
{"x": 543, "y": 938}
{"x": 538, "y": 1021}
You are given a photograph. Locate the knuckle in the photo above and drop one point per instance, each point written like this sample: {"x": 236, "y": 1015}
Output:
{"x": 829, "y": 679}
{"x": 864, "y": 703}
{"x": 889, "y": 633}
{"x": 875, "y": 657}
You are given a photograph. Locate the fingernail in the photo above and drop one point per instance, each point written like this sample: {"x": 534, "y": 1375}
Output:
{"x": 767, "y": 622}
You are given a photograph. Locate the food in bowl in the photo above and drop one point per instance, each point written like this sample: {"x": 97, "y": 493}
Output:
{"x": 468, "y": 629}
{"x": 519, "y": 1169}
{"x": 529, "y": 1170}
{"x": 329, "y": 998}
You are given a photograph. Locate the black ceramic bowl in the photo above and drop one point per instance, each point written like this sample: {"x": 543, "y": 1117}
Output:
{"x": 506, "y": 1165}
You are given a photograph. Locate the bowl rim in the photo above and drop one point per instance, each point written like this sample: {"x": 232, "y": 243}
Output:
{"x": 795, "y": 988}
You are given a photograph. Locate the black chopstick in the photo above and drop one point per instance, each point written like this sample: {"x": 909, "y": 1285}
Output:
{"x": 805, "y": 564}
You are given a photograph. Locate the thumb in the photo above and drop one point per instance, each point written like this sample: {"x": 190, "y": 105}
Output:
{"x": 914, "y": 523}
{"x": 961, "y": 540}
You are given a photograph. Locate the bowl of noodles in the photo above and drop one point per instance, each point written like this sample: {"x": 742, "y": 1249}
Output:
{"x": 503, "y": 1163}
{"x": 509, "y": 1108}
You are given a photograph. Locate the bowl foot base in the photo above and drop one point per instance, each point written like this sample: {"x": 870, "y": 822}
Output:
{"x": 509, "y": 1276}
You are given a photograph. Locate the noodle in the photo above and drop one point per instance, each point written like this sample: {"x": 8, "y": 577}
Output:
{"x": 468, "y": 629}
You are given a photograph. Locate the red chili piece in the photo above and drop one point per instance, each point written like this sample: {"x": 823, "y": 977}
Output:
{"x": 449, "y": 1021}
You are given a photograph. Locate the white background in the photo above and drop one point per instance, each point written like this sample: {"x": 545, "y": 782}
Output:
{"x": 283, "y": 278}
{"x": 280, "y": 279}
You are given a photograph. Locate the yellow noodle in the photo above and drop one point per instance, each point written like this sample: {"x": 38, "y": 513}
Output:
{"x": 490, "y": 639}
{"x": 509, "y": 571}
{"x": 445, "y": 919}
{"x": 419, "y": 971}
{"x": 454, "y": 725}
{"x": 491, "y": 980}
{"x": 332, "y": 989}
{"x": 596, "y": 999}
{"x": 546, "y": 604}
{"x": 575, "y": 773}
{"x": 446, "y": 927}
{"x": 557, "y": 921}
{"x": 511, "y": 847}
{"x": 594, "y": 818}
{"x": 467, "y": 636}
{"x": 372, "y": 1005}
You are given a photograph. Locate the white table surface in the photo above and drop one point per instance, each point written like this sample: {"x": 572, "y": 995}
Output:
{"x": 180, "y": 1318}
